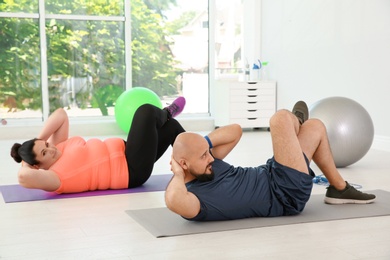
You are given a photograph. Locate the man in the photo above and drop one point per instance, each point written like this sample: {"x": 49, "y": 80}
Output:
{"x": 204, "y": 187}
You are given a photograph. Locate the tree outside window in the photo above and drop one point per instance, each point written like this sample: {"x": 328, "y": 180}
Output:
{"x": 86, "y": 66}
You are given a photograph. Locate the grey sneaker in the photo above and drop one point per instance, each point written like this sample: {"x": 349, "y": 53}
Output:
{"x": 301, "y": 111}
{"x": 349, "y": 195}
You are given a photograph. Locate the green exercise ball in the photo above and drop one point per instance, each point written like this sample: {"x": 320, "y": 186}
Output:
{"x": 129, "y": 101}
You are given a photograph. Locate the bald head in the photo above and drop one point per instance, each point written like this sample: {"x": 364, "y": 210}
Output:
{"x": 188, "y": 144}
{"x": 191, "y": 152}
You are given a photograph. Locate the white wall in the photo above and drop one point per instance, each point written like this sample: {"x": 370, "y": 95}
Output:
{"x": 322, "y": 48}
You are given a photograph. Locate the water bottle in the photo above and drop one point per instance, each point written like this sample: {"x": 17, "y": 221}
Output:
{"x": 264, "y": 70}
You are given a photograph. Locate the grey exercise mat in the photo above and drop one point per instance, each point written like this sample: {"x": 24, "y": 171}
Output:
{"x": 161, "y": 222}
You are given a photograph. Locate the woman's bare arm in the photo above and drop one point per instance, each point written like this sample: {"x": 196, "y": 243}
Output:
{"x": 56, "y": 128}
{"x": 33, "y": 178}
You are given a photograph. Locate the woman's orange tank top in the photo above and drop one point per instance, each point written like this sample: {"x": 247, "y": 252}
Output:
{"x": 91, "y": 165}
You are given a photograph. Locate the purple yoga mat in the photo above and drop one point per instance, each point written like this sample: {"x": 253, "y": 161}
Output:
{"x": 16, "y": 193}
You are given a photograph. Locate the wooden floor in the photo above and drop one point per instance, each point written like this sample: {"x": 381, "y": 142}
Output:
{"x": 99, "y": 228}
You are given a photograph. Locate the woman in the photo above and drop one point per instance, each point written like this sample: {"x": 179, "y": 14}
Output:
{"x": 55, "y": 162}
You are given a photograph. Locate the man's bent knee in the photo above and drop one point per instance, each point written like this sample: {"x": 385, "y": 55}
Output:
{"x": 316, "y": 124}
{"x": 280, "y": 118}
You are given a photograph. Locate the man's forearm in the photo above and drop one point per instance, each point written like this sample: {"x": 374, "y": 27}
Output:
{"x": 175, "y": 194}
{"x": 226, "y": 134}
{"x": 224, "y": 139}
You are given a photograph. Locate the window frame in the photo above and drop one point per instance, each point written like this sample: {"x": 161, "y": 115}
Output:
{"x": 253, "y": 7}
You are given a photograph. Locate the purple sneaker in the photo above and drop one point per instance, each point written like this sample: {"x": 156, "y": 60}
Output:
{"x": 176, "y": 107}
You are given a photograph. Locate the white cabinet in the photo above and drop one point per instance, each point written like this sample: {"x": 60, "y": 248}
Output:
{"x": 249, "y": 104}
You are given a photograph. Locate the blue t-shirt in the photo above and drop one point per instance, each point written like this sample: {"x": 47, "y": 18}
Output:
{"x": 241, "y": 192}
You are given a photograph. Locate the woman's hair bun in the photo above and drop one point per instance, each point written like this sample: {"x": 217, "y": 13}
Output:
{"x": 15, "y": 152}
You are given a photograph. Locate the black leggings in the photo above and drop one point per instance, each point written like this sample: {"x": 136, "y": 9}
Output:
{"x": 151, "y": 133}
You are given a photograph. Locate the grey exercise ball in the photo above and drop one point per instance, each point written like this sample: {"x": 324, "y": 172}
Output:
{"x": 349, "y": 126}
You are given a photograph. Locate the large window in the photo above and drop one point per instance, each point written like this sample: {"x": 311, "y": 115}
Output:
{"x": 20, "y": 82}
{"x": 93, "y": 50}
{"x": 228, "y": 39}
{"x": 189, "y": 43}
{"x": 86, "y": 65}
{"x": 67, "y": 54}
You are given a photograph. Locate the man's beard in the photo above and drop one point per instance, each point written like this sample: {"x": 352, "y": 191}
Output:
{"x": 204, "y": 177}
